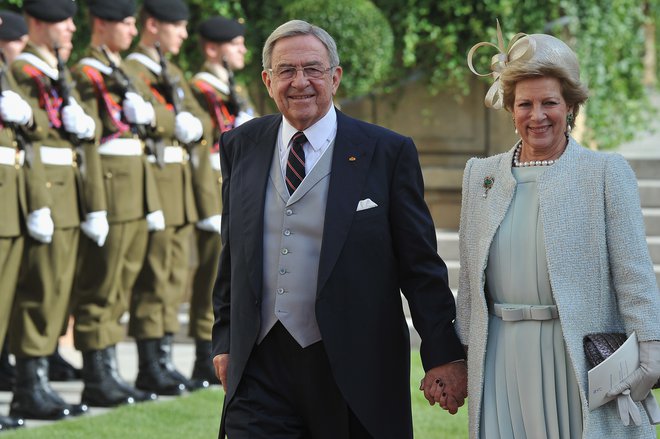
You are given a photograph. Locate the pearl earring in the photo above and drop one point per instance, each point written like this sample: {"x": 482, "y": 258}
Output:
{"x": 569, "y": 123}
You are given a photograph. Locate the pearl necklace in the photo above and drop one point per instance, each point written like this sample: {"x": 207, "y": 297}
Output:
{"x": 518, "y": 164}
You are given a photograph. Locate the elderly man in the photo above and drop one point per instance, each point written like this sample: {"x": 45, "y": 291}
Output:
{"x": 324, "y": 223}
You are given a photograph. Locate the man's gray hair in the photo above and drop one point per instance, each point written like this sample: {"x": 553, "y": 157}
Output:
{"x": 295, "y": 28}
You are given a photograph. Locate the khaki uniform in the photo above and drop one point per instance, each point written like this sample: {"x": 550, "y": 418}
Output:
{"x": 16, "y": 199}
{"x": 44, "y": 286}
{"x": 105, "y": 275}
{"x": 182, "y": 186}
{"x": 212, "y": 93}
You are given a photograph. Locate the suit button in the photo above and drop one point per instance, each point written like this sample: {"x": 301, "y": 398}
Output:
{"x": 49, "y": 184}
{"x": 287, "y": 232}
{"x": 280, "y": 291}
{"x": 289, "y": 212}
{"x": 282, "y": 270}
{"x": 108, "y": 175}
{"x": 285, "y": 251}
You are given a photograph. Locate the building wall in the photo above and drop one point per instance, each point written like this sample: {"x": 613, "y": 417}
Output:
{"x": 447, "y": 132}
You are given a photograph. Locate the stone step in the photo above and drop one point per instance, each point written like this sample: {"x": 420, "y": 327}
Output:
{"x": 649, "y": 192}
{"x": 645, "y": 168}
{"x": 447, "y": 244}
{"x": 652, "y": 220}
{"x": 654, "y": 248}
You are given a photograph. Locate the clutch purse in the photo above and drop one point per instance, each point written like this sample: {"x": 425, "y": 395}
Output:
{"x": 599, "y": 346}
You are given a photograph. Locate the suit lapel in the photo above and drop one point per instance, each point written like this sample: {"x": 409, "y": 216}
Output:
{"x": 352, "y": 156}
{"x": 257, "y": 151}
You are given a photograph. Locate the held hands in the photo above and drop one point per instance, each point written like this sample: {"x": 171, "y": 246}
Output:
{"x": 14, "y": 109}
{"x": 446, "y": 385}
{"x": 637, "y": 385}
{"x": 137, "y": 110}
{"x": 96, "y": 226}
{"x": 155, "y": 221}
{"x": 77, "y": 122}
{"x": 40, "y": 225}
{"x": 210, "y": 224}
{"x": 220, "y": 363}
{"x": 187, "y": 127}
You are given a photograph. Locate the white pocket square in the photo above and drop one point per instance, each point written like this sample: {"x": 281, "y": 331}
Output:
{"x": 365, "y": 204}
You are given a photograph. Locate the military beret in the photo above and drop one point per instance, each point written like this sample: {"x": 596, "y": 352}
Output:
{"x": 51, "y": 11}
{"x": 220, "y": 29}
{"x": 112, "y": 10}
{"x": 169, "y": 11}
{"x": 13, "y": 26}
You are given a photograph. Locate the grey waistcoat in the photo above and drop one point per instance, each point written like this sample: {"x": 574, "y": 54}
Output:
{"x": 293, "y": 230}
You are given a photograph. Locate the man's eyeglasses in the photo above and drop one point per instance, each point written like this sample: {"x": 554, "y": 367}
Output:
{"x": 310, "y": 72}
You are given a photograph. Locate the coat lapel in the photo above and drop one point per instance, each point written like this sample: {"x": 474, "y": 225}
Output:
{"x": 352, "y": 156}
{"x": 257, "y": 151}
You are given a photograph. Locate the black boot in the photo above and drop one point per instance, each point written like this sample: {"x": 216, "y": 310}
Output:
{"x": 101, "y": 390}
{"x": 74, "y": 409}
{"x": 203, "y": 374}
{"x": 165, "y": 358}
{"x": 110, "y": 359}
{"x": 152, "y": 377}
{"x": 10, "y": 423}
{"x": 61, "y": 370}
{"x": 7, "y": 372}
{"x": 32, "y": 392}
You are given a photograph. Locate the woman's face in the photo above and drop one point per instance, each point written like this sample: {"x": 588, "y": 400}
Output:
{"x": 539, "y": 113}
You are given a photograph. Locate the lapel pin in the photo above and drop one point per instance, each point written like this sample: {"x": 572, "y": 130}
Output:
{"x": 352, "y": 158}
{"x": 488, "y": 183}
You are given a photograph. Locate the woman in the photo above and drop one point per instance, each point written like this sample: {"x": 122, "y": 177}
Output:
{"x": 554, "y": 225}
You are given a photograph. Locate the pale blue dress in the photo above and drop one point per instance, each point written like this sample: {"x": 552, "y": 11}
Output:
{"x": 530, "y": 390}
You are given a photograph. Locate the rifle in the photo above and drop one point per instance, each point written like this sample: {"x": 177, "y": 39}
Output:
{"x": 19, "y": 131}
{"x": 233, "y": 97}
{"x": 63, "y": 85}
{"x": 169, "y": 84}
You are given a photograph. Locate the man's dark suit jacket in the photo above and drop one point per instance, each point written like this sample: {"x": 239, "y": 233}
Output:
{"x": 367, "y": 258}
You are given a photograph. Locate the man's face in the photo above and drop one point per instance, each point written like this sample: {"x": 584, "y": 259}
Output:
{"x": 172, "y": 36}
{"x": 12, "y": 48}
{"x": 118, "y": 35}
{"x": 233, "y": 52}
{"x": 61, "y": 33}
{"x": 302, "y": 100}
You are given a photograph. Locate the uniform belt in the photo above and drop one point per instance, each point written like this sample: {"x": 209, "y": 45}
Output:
{"x": 172, "y": 154}
{"x": 514, "y": 313}
{"x": 51, "y": 155}
{"x": 122, "y": 147}
{"x": 11, "y": 156}
{"x": 215, "y": 160}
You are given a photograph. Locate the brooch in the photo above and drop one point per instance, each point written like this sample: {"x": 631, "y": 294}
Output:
{"x": 488, "y": 183}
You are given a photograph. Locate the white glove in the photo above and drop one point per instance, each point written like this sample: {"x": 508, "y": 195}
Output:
{"x": 96, "y": 226}
{"x": 137, "y": 110}
{"x": 241, "y": 118}
{"x": 77, "y": 122}
{"x": 40, "y": 225}
{"x": 187, "y": 127}
{"x": 210, "y": 224}
{"x": 14, "y": 109}
{"x": 155, "y": 221}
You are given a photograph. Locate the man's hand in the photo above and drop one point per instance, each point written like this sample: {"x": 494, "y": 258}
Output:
{"x": 446, "y": 385}
{"x": 220, "y": 362}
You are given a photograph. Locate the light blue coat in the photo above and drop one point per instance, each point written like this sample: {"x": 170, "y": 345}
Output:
{"x": 600, "y": 270}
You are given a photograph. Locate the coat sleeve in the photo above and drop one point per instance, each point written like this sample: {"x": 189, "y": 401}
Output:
{"x": 463, "y": 296}
{"x": 422, "y": 273}
{"x": 630, "y": 264}
{"x": 221, "y": 289}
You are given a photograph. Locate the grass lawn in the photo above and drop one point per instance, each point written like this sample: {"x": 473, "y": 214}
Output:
{"x": 197, "y": 416}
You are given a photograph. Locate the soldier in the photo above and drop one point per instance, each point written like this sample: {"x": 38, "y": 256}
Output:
{"x": 13, "y": 37}
{"x": 223, "y": 45}
{"x": 160, "y": 286}
{"x": 19, "y": 126}
{"x": 106, "y": 275}
{"x": 41, "y": 304}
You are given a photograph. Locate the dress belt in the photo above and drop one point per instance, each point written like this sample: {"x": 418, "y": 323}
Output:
{"x": 509, "y": 312}
{"x": 172, "y": 154}
{"x": 52, "y": 155}
{"x": 215, "y": 161}
{"x": 121, "y": 147}
{"x": 11, "y": 156}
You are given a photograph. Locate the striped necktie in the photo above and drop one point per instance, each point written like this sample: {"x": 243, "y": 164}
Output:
{"x": 295, "y": 163}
